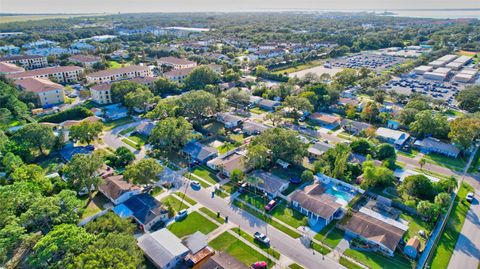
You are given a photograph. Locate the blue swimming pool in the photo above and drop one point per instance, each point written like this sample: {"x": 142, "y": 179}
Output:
{"x": 336, "y": 191}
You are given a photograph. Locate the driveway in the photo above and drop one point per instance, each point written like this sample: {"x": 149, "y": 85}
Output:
{"x": 113, "y": 139}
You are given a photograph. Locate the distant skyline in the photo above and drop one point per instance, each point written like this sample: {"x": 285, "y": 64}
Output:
{"x": 128, "y": 6}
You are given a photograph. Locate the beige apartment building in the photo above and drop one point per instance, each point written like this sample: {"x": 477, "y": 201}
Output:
{"x": 26, "y": 61}
{"x": 178, "y": 75}
{"x": 60, "y": 74}
{"x": 86, "y": 60}
{"x": 126, "y": 72}
{"x": 101, "y": 93}
{"x": 48, "y": 92}
{"x": 8, "y": 68}
{"x": 176, "y": 63}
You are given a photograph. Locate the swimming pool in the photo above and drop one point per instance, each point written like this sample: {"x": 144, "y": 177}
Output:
{"x": 336, "y": 191}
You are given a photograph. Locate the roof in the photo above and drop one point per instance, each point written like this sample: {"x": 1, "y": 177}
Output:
{"x": 389, "y": 133}
{"x": 347, "y": 101}
{"x": 117, "y": 71}
{"x": 199, "y": 151}
{"x": 45, "y": 71}
{"x": 175, "y": 61}
{"x": 231, "y": 162}
{"x": 115, "y": 186}
{"x": 19, "y": 57}
{"x": 438, "y": 145}
{"x": 143, "y": 80}
{"x": 413, "y": 242}
{"x": 268, "y": 103}
{"x": 161, "y": 246}
{"x": 314, "y": 199}
{"x": 84, "y": 58}
{"x": 229, "y": 117}
{"x": 222, "y": 260}
{"x": 319, "y": 148}
{"x": 145, "y": 127}
{"x": 254, "y": 127}
{"x": 323, "y": 117}
{"x": 10, "y": 68}
{"x": 374, "y": 230}
{"x": 144, "y": 207}
{"x": 269, "y": 182}
{"x": 179, "y": 72}
{"x": 38, "y": 85}
{"x": 196, "y": 242}
{"x": 353, "y": 124}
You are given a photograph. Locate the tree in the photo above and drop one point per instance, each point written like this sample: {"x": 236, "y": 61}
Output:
{"x": 123, "y": 156}
{"x": 376, "y": 175}
{"x": 32, "y": 173}
{"x": 86, "y": 131}
{"x": 171, "y": 134}
{"x": 427, "y": 209}
{"x": 11, "y": 237}
{"x": 370, "y": 112}
{"x": 59, "y": 247}
{"x": 120, "y": 89}
{"x": 138, "y": 99}
{"x": 428, "y": 123}
{"x": 165, "y": 108}
{"x": 469, "y": 98}
{"x": 258, "y": 156}
{"x": 237, "y": 96}
{"x": 237, "y": 175}
{"x": 361, "y": 146}
{"x": 110, "y": 223}
{"x": 297, "y": 105}
{"x": 442, "y": 200}
{"x": 164, "y": 86}
{"x": 385, "y": 151}
{"x": 82, "y": 172}
{"x": 448, "y": 185}
{"x": 260, "y": 71}
{"x": 35, "y": 137}
{"x": 419, "y": 186}
{"x": 275, "y": 118}
{"x": 422, "y": 162}
{"x": 198, "y": 105}
{"x": 10, "y": 162}
{"x": 143, "y": 172}
{"x": 464, "y": 131}
{"x": 307, "y": 175}
{"x": 201, "y": 77}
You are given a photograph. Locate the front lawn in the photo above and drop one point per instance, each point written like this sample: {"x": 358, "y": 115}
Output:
{"x": 348, "y": 264}
{"x": 129, "y": 142}
{"x": 295, "y": 266}
{"x": 441, "y": 160}
{"x": 377, "y": 261}
{"x": 289, "y": 215}
{"x": 174, "y": 203}
{"x": 236, "y": 248}
{"x": 205, "y": 173}
{"x": 186, "y": 198}
{"x": 212, "y": 215}
{"x": 446, "y": 245}
{"x": 112, "y": 124}
{"x": 257, "y": 110}
{"x": 139, "y": 139}
{"x": 193, "y": 223}
{"x": 260, "y": 245}
{"x": 95, "y": 206}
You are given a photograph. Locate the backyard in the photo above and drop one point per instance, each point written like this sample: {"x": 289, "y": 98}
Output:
{"x": 193, "y": 223}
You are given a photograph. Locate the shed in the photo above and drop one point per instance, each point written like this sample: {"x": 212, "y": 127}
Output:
{"x": 412, "y": 247}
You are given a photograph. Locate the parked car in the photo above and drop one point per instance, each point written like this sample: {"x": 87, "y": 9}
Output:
{"x": 469, "y": 197}
{"x": 295, "y": 180}
{"x": 270, "y": 205}
{"x": 181, "y": 215}
{"x": 195, "y": 184}
{"x": 259, "y": 265}
{"x": 261, "y": 238}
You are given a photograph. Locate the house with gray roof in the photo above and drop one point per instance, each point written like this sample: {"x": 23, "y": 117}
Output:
{"x": 271, "y": 184}
{"x": 164, "y": 249}
{"x": 397, "y": 138}
{"x": 199, "y": 152}
{"x": 268, "y": 105}
{"x": 434, "y": 145}
{"x": 229, "y": 120}
{"x": 354, "y": 127}
{"x": 254, "y": 128}
{"x": 145, "y": 128}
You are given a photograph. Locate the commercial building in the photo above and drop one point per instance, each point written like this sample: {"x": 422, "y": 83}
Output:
{"x": 26, "y": 61}
{"x": 438, "y": 74}
{"x": 466, "y": 75}
{"x": 422, "y": 69}
{"x": 48, "y": 92}
{"x": 176, "y": 63}
{"x": 8, "y": 68}
{"x": 60, "y": 74}
{"x": 442, "y": 61}
{"x": 110, "y": 75}
{"x": 459, "y": 62}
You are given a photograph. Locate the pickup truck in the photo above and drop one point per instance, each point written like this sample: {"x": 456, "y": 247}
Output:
{"x": 261, "y": 238}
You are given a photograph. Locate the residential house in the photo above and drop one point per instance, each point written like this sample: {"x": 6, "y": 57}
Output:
{"x": 199, "y": 152}
{"x": 176, "y": 63}
{"x": 354, "y": 127}
{"x": 434, "y": 145}
{"x": 397, "y": 138}
{"x": 320, "y": 207}
{"x": 60, "y": 74}
{"x": 329, "y": 121}
{"x": 8, "y": 68}
{"x": 318, "y": 149}
{"x": 229, "y": 162}
{"x": 119, "y": 55}
{"x": 164, "y": 249}
{"x": 116, "y": 74}
{"x": 117, "y": 190}
{"x": 145, "y": 128}
{"x": 229, "y": 120}
{"x": 86, "y": 60}
{"x": 268, "y": 105}
{"x": 144, "y": 209}
{"x": 197, "y": 243}
{"x": 253, "y": 128}
{"x": 48, "y": 93}
{"x": 269, "y": 183}
{"x": 26, "y": 61}
{"x": 392, "y": 124}
{"x": 178, "y": 75}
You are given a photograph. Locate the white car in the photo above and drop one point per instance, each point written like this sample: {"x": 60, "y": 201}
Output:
{"x": 195, "y": 184}
{"x": 469, "y": 197}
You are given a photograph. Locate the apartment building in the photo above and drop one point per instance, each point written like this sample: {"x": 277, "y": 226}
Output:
{"x": 48, "y": 92}
{"x": 110, "y": 75}
{"x": 26, "y": 61}
{"x": 60, "y": 74}
{"x": 176, "y": 63}
{"x": 178, "y": 75}
{"x": 86, "y": 60}
{"x": 101, "y": 93}
{"x": 8, "y": 68}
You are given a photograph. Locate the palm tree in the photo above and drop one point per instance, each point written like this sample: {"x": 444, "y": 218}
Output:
{"x": 422, "y": 162}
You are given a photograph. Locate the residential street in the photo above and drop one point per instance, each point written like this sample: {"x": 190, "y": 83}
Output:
{"x": 112, "y": 139}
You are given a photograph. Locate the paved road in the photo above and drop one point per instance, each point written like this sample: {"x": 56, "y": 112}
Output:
{"x": 114, "y": 140}
{"x": 292, "y": 248}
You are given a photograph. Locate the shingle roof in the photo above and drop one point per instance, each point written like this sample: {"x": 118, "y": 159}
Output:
{"x": 84, "y": 58}
{"x": 19, "y": 57}
{"x": 144, "y": 207}
{"x": 175, "y": 60}
{"x": 179, "y": 72}
{"x": 10, "y": 68}
{"x": 117, "y": 71}
{"x": 45, "y": 71}
{"x": 314, "y": 200}
{"x": 38, "y": 85}
{"x": 433, "y": 143}
{"x": 327, "y": 118}
{"x": 269, "y": 182}
{"x": 319, "y": 148}
{"x": 199, "y": 151}
{"x": 115, "y": 186}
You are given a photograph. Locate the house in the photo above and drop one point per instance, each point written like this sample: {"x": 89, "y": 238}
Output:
{"x": 117, "y": 190}
{"x": 197, "y": 243}
{"x": 254, "y": 100}
{"x": 229, "y": 120}
{"x": 145, "y": 128}
{"x": 176, "y": 63}
{"x": 229, "y": 162}
{"x": 144, "y": 209}
{"x": 8, "y": 68}
{"x": 115, "y": 74}
{"x": 199, "y": 152}
{"x": 61, "y": 74}
{"x": 320, "y": 207}
{"x": 393, "y": 124}
{"x": 86, "y": 60}
{"x": 253, "y": 128}
{"x": 119, "y": 55}
{"x": 398, "y": 138}
{"x": 269, "y": 183}
{"x": 115, "y": 112}
{"x": 48, "y": 93}
{"x": 164, "y": 249}
{"x": 318, "y": 149}
{"x": 222, "y": 260}
{"x": 26, "y": 61}
{"x": 69, "y": 151}
{"x": 434, "y": 145}
{"x": 268, "y": 105}
{"x": 412, "y": 247}
{"x": 178, "y": 75}
{"x": 216, "y": 68}
{"x": 354, "y": 127}
{"x": 326, "y": 120}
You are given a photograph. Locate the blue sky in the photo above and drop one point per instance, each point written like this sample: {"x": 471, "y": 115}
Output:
{"x": 113, "y": 6}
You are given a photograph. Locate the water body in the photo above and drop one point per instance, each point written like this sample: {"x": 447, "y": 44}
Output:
{"x": 438, "y": 14}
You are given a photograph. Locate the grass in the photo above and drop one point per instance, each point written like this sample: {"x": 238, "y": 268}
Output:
{"x": 112, "y": 124}
{"x": 261, "y": 246}
{"x": 186, "y": 198}
{"x": 438, "y": 159}
{"x": 319, "y": 248}
{"x": 192, "y": 223}
{"x": 415, "y": 224}
{"x": 257, "y": 110}
{"x": 237, "y": 138}
{"x": 238, "y": 249}
{"x": 130, "y": 142}
{"x": 212, "y": 215}
{"x": 333, "y": 235}
{"x": 446, "y": 245}
{"x": 205, "y": 173}
{"x": 115, "y": 64}
{"x": 295, "y": 266}
{"x": 214, "y": 128}
{"x": 139, "y": 139}
{"x": 377, "y": 261}
{"x": 95, "y": 206}
{"x": 348, "y": 264}
{"x": 225, "y": 148}
{"x": 128, "y": 130}
{"x": 157, "y": 190}
{"x": 176, "y": 204}
{"x": 289, "y": 215}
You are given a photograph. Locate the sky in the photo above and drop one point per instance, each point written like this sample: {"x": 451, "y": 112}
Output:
{"x": 127, "y": 6}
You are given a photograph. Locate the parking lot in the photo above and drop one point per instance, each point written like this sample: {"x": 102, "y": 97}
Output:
{"x": 372, "y": 61}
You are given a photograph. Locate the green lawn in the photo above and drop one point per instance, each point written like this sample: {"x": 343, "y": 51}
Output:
{"x": 128, "y": 130}
{"x": 298, "y": 67}
{"x": 236, "y": 248}
{"x": 176, "y": 204}
{"x": 377, "y": 261}
{"x": 350, "y": 265}
{"x": 225, "y": 148}
{"x": 130, "y": 142}
{"x": 115, "y": 64}
{"x": 263, "y": 247}
{"x": 215, "y": 128}
{"x": 295, "y": 266}
{"x": 333, "y": 237}
{"x": 452, "y": 163}
{"x": 256, "y": 201}
{"x": 139, "y": 139}
{"x": 258, "y": 110}
{"x": 415, "y": 224}
{"x": 446, "y": 245}
{"x": 289, "y": 215}
{"x": 95, "y": 206}
{"x": 212, "y": 215}
{"x": 157, "y": 190}
{"x": 205, "y": 173}
{"x": 186, "y": 198}
{"x": 237, "y": 138}
{"x": 112, "y": 124}
{"x": 194, "y": 222}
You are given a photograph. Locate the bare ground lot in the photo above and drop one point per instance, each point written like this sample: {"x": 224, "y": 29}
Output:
{"x": 317, "y": 70}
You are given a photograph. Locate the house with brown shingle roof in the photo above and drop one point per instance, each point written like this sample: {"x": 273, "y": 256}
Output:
{"x": 85, "y": 60}
{"x": 179, "y": 75}
{"x": 117, "y": 190}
